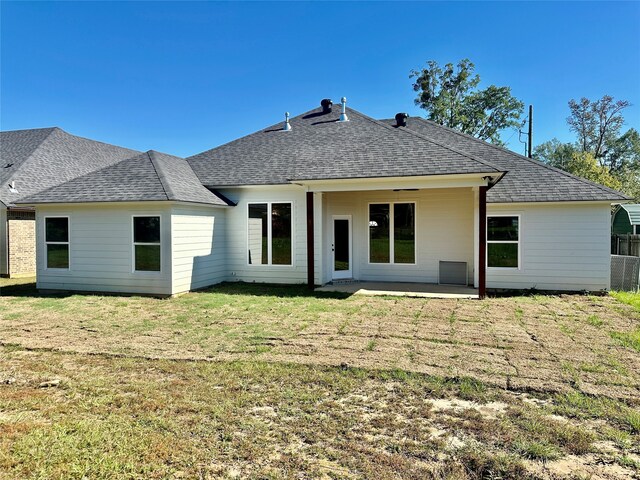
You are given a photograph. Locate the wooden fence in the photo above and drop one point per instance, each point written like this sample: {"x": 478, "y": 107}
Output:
{"x": 625, "y": 244}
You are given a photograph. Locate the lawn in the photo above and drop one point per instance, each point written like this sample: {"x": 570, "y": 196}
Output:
{"x": 246, "y": 381}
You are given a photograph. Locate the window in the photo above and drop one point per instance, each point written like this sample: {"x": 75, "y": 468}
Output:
{"x": 146, "y": 244}
{"x": 392, "y": 233}
{"x": 269, "y": 234}
{"x": 57, "y": 241}
{"x": 503, "y": 239}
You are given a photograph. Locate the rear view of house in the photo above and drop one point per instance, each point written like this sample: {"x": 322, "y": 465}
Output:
{"x": 328, "y": 195}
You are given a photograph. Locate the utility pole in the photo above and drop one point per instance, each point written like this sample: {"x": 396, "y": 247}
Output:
{"x": 530, "y": 129}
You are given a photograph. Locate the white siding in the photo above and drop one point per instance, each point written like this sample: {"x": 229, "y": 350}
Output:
{"x": 3, "y": 241}
{"x": 563, "y": 247}
{"x": 237, "y": 254}
{"x": 444, "y": 231}
{"x": 198, "y": 247}
{"x": 101, "y": 249}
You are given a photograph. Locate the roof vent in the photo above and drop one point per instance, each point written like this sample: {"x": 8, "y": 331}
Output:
{"x": 401, "y": 119}
{"x": 326, "y": 105}
{"x": 287, "y": 125}
{"x": 343, "y": 114}
{"x": 12, "y": 187}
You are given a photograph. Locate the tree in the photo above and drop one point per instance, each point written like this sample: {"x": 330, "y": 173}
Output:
{"x": 597, "y": 123}
{"x": 451, "y": 98}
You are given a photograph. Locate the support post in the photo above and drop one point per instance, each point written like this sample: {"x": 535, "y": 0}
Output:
{"x": 310, "y": 251}
{"x": 482, "y": 240}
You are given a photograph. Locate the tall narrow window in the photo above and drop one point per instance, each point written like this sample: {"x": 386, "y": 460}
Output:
{"x": 57, "y": 241}
{"x": 379, "y": 221}
{"x": 281, "y": 234}
{"x": 146, "y": 244}
{"x": 392, "y": 233}
{"x": 404, "y": 233}
{"x": 269, "y": 234}
{"x": 503, "y": 241}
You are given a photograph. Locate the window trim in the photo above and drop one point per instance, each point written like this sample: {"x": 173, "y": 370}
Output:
{"x": 47, "y": 243}
{"x": 518, "y": 242}
{"x": 391, "y": 236}
{"x": 134, "y": 243}
{"x": 269, "y": 237}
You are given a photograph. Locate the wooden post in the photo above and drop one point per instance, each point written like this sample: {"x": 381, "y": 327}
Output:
{"x": 482, "y": 242}
{"x": 310, "y": 252}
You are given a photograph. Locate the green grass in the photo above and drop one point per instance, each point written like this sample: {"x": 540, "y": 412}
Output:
{"x": 630, "y": 298}
{"x": 308, "y": 384}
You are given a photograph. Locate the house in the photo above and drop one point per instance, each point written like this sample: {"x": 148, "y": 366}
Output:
{"x": 32, "y": 161}
{"x": 626, "y": 219}
{"x": 328, "y": 195}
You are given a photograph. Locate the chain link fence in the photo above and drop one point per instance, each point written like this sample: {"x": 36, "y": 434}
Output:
{"x": 625, "y": 273}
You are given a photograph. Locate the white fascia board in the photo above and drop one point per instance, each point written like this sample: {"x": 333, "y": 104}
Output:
{"x": 392, "y": 183}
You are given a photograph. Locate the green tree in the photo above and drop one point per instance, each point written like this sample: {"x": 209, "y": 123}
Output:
{"x": 451, "y": 97}
{"x": 597, "y": 124}
{"x": 585, "y": 165}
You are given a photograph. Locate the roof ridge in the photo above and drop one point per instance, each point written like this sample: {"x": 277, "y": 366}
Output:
{"x": 522, "y": 157}
{"x": 427, "y": 139}
{"x": 161, "y": 176}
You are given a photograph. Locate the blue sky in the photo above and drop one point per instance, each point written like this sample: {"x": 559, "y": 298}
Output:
{"x": 185, "y": 77}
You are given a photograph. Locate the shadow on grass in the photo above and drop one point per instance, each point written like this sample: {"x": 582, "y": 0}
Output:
{"x": 29, "y": 290}
{"x": 270, "y": 290}
{"x": 9, "y": 288}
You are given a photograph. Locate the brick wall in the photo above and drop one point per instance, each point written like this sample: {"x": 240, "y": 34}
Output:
{"x": 22, "y": 243}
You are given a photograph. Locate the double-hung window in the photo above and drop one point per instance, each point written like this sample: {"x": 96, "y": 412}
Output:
{"x": 57, "y": 242}
{"x": 392, "y": 232}
{"x": 146, "y": 244}
{"x": 269, "y": 233}
{"x": 503, "y": 241}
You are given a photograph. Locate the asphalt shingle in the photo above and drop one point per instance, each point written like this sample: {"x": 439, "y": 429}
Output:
{"x": 527, "y": 180}
{"x": 150, "y": 176}
{"x": 318, "y": 146}
{"x": 42, "y": 158}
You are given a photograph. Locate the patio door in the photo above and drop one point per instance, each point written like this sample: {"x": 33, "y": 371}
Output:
{"x": 341, "y": 247}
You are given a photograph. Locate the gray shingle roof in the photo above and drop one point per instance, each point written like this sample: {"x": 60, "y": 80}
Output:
{"x": 320, "y": 147}
{"x": 150, "y": 176}
{"x": 42, "y": 158}
{"x": 526, "y": 180}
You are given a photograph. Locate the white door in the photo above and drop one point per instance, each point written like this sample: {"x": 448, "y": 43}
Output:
{"x": 341, "y": 247}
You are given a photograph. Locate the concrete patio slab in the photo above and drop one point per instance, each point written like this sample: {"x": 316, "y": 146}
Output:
{"x": 426, "y": 290}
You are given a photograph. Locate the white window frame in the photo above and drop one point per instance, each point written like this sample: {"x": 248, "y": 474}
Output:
{"x": 518, "y": 242}
{"x": 134, "y": 243}
{"x": 269, "y": 238}
{"x": 391, "y": 236}
{"x": 47, "y": 243}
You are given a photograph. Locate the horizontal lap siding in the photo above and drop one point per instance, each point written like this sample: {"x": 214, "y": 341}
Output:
{"x": 563, "y": 247}
{"x": 236, "y": 234}
{"x": 101, "y": 250}
{"x": 3, "y": 241}
{"x": 444, "y": 231}
{"x": 198, "y": 246}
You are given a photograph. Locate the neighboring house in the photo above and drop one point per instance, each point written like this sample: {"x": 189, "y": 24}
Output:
{"x": 32, "y": 161}
{"x": 626, "y": 219}
{"x": 329, "y": 195}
